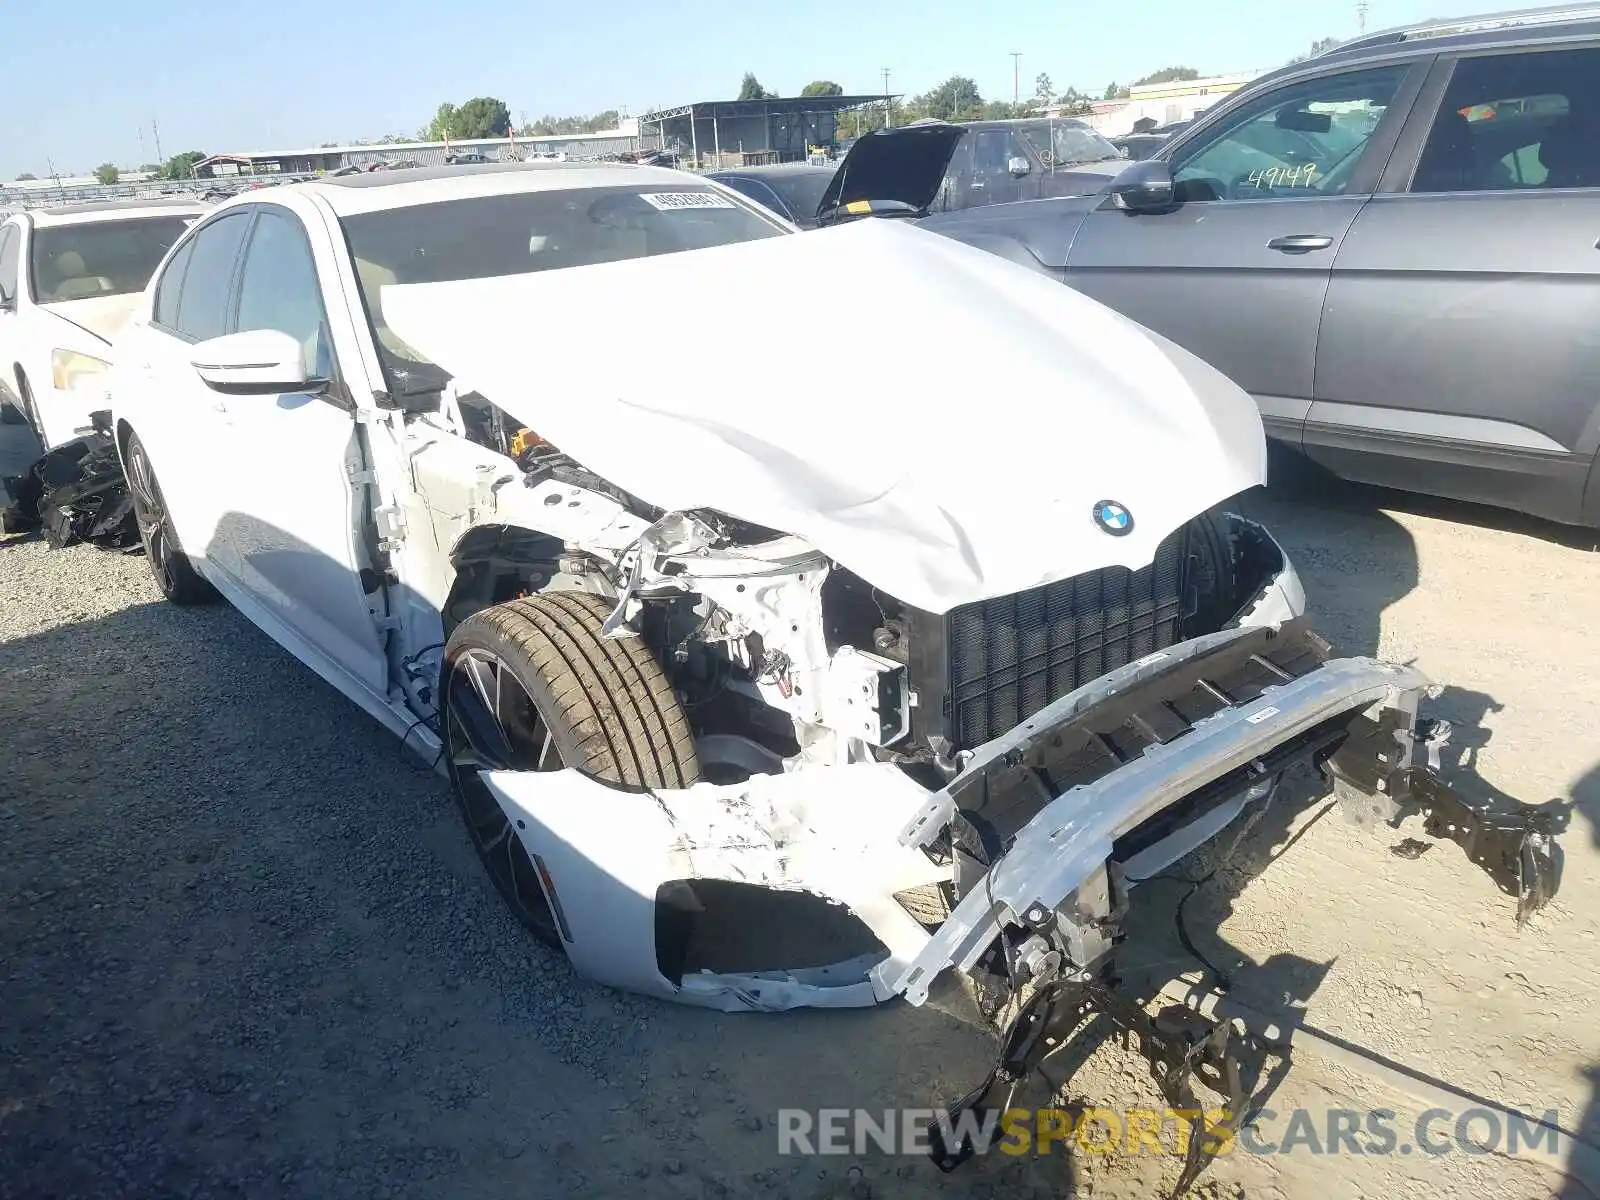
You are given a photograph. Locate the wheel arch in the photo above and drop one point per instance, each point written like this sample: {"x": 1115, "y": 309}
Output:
{"x": 492, "y": 564}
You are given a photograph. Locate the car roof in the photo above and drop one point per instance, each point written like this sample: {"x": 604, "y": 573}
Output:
{"x": 113, "y": 210}
{"x": 375, "y": 191}
{"x": 1520, "y": 26}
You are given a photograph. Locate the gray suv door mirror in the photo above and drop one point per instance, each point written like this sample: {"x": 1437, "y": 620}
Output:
{"x": 1018, "y": 166}
{"x": 1144, "y": 187}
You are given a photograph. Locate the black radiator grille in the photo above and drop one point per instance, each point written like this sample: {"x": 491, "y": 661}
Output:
{"x": 1009, "y": 657}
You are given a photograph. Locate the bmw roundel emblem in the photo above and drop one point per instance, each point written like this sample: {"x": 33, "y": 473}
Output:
{"x": 1113, "y": 518}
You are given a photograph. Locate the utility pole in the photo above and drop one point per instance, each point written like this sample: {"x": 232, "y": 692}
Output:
{"x": 156, "y": 133}
{"x": 1361, "y": 16}
{"x": 888, "y": 105}
{"x": 142, "y": 159}
{"x": 1016, "y": 77}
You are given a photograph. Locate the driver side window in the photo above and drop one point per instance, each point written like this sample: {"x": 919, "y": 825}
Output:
{"x": 1304, "y": 139}
{"x": 279, "y": 290}
{"x": 993, "y": 151}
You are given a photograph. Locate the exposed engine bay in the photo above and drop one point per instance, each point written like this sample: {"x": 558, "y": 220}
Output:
{"x": 784, "y": 658}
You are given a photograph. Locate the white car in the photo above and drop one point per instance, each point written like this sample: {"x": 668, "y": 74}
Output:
{"x": 951, "y": 647}
{"x": 69, "y": 278}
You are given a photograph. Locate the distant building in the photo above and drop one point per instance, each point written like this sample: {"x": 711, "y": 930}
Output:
{"x": 740, "y": 133}
{"x": 321, "y": 159}
{"x": 1164, "y": 103}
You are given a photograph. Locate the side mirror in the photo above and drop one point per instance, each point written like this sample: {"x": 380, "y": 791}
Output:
{"x": 1018, "y": 167}
{"x": 256, "y": 362}
{"x": 1146, "y": 186}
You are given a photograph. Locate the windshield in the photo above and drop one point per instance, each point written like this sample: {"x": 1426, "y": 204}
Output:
{"x": 100, "y": 258}
{"x": 802, "y": 191}
{"x": 1061, "y": 143}
{"x": 487, "y": 236}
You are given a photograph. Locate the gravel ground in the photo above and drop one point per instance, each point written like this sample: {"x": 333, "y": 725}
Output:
{"x": 247, "y": 949}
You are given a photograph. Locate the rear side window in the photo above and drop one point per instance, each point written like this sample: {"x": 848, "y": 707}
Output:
{"x": 165, "y": 311}
{"x": 203, "y": 303}
{"x": 1510, "y": 122}
{"x": 10, "y": 256}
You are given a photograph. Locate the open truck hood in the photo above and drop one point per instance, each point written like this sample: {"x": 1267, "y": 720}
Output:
{"x": 962, "y": 450}
{"x": 904, "y": 166}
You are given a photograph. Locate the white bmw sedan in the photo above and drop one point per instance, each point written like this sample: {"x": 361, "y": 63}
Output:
{"x": 524, "y": 460}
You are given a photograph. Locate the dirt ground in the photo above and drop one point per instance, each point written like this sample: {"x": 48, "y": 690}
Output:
{"x": 247, "y": 951}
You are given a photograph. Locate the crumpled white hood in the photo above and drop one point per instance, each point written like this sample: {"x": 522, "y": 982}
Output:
{"x": 938, "y": 420}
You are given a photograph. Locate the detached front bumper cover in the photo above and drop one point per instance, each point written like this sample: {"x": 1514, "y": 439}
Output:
{"x": 75, "y": 492}
{"x": 1139, "y": 767}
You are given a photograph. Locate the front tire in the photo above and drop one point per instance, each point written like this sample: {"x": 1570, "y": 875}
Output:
{"x": 174, "y": 574}
{"x": 531, "y": 685}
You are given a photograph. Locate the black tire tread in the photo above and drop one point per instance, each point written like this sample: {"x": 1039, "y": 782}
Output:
{"x": 623, "y": 722}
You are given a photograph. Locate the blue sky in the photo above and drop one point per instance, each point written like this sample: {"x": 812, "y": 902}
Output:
{"x": 246, "y": 74}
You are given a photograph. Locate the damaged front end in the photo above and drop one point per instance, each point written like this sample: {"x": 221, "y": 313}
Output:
{"x": 1033, "y": 843}
{"x": 949, "y": 703}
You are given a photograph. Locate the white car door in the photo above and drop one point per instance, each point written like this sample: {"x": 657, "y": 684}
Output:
{"x": 290, "y": 515}
{"x": 181, "y": 421}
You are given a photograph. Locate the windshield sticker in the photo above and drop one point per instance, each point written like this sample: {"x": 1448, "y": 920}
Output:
{"x": 666, "y": 201}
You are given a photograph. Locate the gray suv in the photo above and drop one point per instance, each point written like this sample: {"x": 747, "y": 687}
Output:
{"x": 1392, "y": 246}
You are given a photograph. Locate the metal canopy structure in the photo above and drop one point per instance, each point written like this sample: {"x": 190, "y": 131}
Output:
{"x": 763, "y": 130}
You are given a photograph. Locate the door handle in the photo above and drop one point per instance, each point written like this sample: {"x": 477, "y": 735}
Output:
{"x": 1299, "y": 243}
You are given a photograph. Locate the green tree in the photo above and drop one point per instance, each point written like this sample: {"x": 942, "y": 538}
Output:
{"x": 954, "y": 99}
{"x": 1042, "y": 91}
{"x": 1115, "y": 91}
{"x": 750, "y": 88}
{"x": 1075, "y": 102}
{"x": 482, "y": 117}
{"x": 25, "y": 176}
{"x": 442, "y": 126}
{"x": 1168, "y": 75}
{"x": 822, "y": 87}
{"x": 107, "y": 174}
{"x": 181, "y": 166}
{"x": 996, "y": 110}
{"x": 553, "y": 126}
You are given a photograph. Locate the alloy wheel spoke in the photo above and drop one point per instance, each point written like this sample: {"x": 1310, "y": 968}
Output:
{"x": 476, "y": 720}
